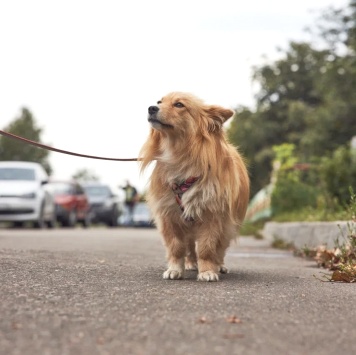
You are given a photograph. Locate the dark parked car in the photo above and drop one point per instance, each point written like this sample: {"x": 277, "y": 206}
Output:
{"x": 105, "y": 206}
{"x": 72, "y": 204}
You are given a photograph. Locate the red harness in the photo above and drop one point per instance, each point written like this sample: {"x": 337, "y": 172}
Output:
{"x": 180, "y": 189}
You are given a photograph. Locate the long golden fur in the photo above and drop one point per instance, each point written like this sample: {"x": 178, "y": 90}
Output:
{"x": 187, "y": 140}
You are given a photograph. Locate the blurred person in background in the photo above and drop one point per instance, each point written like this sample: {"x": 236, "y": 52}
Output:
{"x": 131, "y": 198}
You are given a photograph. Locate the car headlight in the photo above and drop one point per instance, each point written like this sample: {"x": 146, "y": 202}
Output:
{"x": 29, "y": 195}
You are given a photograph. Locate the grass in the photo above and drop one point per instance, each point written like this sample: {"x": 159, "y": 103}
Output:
{"x": 252, "y": 229}
{"x": 309, "y": 214}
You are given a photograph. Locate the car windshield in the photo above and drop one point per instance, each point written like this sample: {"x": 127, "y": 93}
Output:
{"x": 60, "y": 188}
{"x": 103, "y": 191}
{"x": 17, "y": 174}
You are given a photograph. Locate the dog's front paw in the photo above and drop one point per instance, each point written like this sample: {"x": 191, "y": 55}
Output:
{"x": 209, "y": 276}
{"x": 173, "y": 274}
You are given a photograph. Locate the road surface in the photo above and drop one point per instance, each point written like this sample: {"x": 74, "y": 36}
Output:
{"x": 100, "y": 291}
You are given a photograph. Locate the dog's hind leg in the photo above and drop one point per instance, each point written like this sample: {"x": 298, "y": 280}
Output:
{"x": 228, "y": 234}
{"x": 191, "y": 255}
{"x": 221, "y": 255}
{"x": 174, "y": 238}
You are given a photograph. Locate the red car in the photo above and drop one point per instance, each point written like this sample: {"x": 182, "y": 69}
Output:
{"x": 72, "y": 203}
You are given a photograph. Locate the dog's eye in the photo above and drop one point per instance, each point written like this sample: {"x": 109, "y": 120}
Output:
{"x": 159, "y": 102}
{"x": 178, "y": 104}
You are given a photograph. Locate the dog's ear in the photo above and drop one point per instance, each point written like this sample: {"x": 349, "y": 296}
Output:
{"x": 218, "y": 116}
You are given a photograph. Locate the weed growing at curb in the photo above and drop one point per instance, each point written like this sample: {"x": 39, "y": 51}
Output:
{"x": 279, "y": 243}
{"x": 342, "y": 259}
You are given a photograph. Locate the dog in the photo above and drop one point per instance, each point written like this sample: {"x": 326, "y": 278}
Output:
{"x": 199, "y": 188}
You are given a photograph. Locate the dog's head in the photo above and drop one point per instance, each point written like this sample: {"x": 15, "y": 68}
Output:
{"x": 182, "y": 114}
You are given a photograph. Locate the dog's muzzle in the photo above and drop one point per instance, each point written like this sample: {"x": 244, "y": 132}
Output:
{"x": 153, "y": 119}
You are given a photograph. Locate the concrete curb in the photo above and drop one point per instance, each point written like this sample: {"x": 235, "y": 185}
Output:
{"x": 306, "y": 234}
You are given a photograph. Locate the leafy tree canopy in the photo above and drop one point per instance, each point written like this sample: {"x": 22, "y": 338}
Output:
{"x": 306, "y": 98}
{"x": 24, "y": 126}
{"x": 85, "y": 175}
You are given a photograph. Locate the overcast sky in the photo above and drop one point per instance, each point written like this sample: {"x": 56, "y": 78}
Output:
{"x": 88, "y": 70}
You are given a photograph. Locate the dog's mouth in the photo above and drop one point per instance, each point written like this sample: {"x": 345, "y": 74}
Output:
{"x": 155, "y": 121}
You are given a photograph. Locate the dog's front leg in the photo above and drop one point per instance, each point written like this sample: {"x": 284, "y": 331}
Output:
{"x": 209, "y": 250}
{"x": 174, "y": 238}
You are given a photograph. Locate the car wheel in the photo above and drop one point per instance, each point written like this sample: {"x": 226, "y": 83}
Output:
{"x": 86, "y": 221}
{"x": 71, "y": 219}
{"x": 17, "y": 224}
{"x": 114, "y": 216}
{"x": 40, "y": 223}
{"x": 52, "y": 222}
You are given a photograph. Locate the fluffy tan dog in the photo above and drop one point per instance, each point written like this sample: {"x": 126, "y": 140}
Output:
{"x": 199, "y": 188}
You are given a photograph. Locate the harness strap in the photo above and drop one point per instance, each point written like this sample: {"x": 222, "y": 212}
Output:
{"x": 180, "y": 189}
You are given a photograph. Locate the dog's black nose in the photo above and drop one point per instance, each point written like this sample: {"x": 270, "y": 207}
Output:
{"x": 153, "y": 109}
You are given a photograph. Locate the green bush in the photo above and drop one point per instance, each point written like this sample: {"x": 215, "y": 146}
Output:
{"x": 290, "y": 194}
{"x": 293, "y": 190}
{"x": 338, "y": 174}
{"x": 319, "y": 190}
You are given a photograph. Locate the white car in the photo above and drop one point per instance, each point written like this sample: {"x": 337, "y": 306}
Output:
{"x": 141, "y": 216}
{"x": 23, "y": 196}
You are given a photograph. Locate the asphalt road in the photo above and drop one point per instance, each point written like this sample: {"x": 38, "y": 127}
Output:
{"x": 100, "y": 291}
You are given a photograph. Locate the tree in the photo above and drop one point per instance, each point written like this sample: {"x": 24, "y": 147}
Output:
{"x": 85, "y": 175}
{"x": 338, "y": 28}
{"x": 24, "y": 126}
{"x": 291, "y": 78}
{"x": 306, "y": 98}
{"x": 249, "y": 133}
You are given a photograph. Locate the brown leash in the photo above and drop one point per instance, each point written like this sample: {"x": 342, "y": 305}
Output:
{"x": 47, "y": 147}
